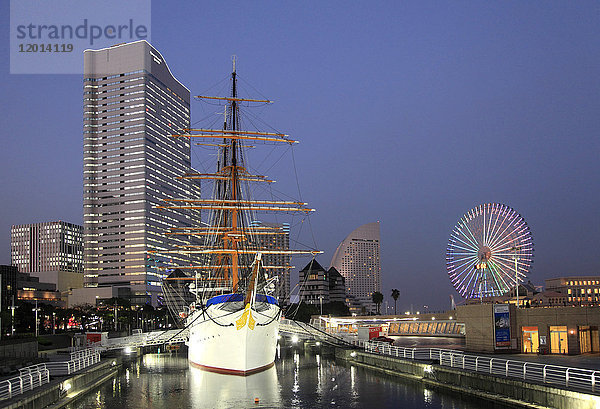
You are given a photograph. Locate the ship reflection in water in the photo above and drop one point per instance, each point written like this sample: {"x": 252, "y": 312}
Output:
{"x": 213, "y": 390}
{"x": 300, "y": 379}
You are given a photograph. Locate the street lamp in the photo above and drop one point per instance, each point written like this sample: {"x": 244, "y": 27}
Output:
{"x": 36, "y": 309}
{"x": 515, "y": 249}
{"x": 115, "y": 316}
{"x": 12, "y": 313}
{"x": 321, "y": 302}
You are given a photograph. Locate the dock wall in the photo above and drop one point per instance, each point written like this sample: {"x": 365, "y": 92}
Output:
{"x": 511, "y": 392}
{"x": 54, "y": 395}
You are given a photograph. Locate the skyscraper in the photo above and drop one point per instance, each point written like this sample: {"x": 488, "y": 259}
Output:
{"x": 51, "y": 251}
{"x": 132, "y": 104}
{"x": 276, "y": 236}
{"x": 357, "y": 259}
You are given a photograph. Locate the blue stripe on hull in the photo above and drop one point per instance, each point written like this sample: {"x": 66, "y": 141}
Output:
{"x": 240, "y": 297}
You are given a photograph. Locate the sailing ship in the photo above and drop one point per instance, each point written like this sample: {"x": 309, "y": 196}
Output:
{"x": 233, "y": 321}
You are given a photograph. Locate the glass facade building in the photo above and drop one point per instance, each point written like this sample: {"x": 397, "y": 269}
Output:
{"x": 357, "y": 259}
{"x": 277, "y": 237}
{"x": 132, "y": 105}
{"x": 51, "y": 246}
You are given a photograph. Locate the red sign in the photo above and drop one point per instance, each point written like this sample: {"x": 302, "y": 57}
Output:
{"x": 93, "y": 337}
{"x": 374, "y": 332}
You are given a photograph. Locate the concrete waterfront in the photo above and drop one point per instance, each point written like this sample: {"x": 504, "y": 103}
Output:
{"x": 508, "y": 391}
{"x": 426, "y": 372}
{"x": 63, "y": 390}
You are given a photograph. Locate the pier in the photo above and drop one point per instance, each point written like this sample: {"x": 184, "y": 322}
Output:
{"x": 508, "y": 379}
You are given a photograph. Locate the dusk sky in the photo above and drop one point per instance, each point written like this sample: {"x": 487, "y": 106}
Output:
{"x": 410, "y": 113}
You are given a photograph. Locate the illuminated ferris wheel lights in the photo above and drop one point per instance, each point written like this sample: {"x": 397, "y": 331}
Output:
{"x": 484, "y": 248}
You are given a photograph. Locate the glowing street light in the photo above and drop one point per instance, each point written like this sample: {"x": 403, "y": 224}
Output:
{"x": 12, "y": 313}
{"x": 515, "y": 249}
{"x": 36, "y": 309}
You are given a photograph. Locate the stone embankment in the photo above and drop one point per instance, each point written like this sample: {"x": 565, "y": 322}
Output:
{"x": 64, "y": 390}
{"x": 508, "y": 391}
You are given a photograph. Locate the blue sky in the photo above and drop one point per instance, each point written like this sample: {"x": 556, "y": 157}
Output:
{"x": 410, "y": 113}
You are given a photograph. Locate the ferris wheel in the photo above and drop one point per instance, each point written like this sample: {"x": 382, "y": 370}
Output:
{"x": 489, "y": 250}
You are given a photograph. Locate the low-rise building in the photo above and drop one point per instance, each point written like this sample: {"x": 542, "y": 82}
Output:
{"x": 50, "y": 251}
{"x": 549, "y": 298}
{"x": 96, "y": 295}
{"x": 356, "y": 307}
{"x": 320, "y": 286}
{"x": 337, "y": 286}
{"x": 8, "y": 286}
{"x": 30, "y": 289}
{"x": 578, "y": 290}
{"x": 504, "y": 328}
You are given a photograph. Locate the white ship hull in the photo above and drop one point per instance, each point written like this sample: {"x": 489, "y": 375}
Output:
{"x": 222, "y": 341}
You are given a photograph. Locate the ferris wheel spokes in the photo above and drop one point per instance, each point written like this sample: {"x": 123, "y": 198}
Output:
{"x": 481, "y": 255}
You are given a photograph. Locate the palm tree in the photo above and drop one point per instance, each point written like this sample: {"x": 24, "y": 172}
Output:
{"x": 395, "y": 295}
{"x": 377, "y": 299}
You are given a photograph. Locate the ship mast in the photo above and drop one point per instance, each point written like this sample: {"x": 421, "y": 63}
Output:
{"x": 234, "y": 182}
{"x": 234, "y": 243}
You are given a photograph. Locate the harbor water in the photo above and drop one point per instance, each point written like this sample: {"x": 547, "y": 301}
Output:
{"x": 299, "y": 379}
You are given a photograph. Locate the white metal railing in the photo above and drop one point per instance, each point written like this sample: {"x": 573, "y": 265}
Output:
{"x": 385, "y": 348}
{"x": 292, "y": 327}
{"x": 140, "y": 339}
{"x": 29, "y": 378}
{"x": 568, "y": 377}
{"x": 78, "y": 360}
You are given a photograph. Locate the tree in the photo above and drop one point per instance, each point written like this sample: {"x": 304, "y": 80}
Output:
{"x": 117, "y": 310}
{"x": 84, "y": 313}
{"x": 377, "y": 299}
{"x": 302, "y": 312}
{"x": 45, "y": 317}
{"x": 147, "y": 316}
{"x": 25, "y": 318}
{"x": 395, "y": 295}
{"x": 336, "y": 308}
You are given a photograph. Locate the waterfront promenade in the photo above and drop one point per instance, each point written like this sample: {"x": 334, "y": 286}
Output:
{"x": 435, "y": 363}
{"x": 588, "y": 361}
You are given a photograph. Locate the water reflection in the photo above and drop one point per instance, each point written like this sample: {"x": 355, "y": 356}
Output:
{"x": 427, "y": 395}
{"x": 300, "y": 379}
{"x": 214, "y": 390}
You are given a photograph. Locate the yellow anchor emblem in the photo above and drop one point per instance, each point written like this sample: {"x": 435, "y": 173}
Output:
{"x": 246, "y": 317}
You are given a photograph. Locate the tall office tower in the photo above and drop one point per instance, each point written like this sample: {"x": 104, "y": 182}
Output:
{"x": 132, "y": 104}
{"x": 51, "y": 251}
{"x": 276, "y": 236}
{"x": 357, "y": 258}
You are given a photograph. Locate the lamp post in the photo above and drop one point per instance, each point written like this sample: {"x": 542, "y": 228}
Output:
{"x": 321, "y": 302}
{"x": 481, "y": 278}
{"x": 515, "y": 249}
{"x": 12, "y": 313}
{"x": 36, "y": 319}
